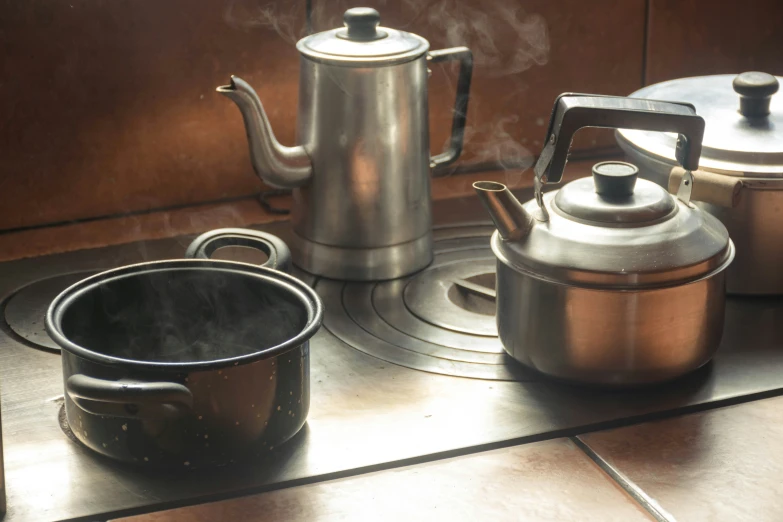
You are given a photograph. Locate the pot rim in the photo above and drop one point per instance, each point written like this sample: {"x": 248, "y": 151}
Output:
{"x": 299, "y": 289}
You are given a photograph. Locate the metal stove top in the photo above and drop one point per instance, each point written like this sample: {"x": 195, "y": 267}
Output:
{"x": 440, "y": 320}
{"x": 403, "y": 372}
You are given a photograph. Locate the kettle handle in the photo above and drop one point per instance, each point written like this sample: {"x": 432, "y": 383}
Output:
{"x": 572, "y": 111}
{"x": 465, "y": 57}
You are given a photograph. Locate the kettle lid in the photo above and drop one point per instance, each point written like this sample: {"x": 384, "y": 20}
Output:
{"x": 616, "y": 232}
{"x": 363, "y": 42}
{"x": 614, "y": 195}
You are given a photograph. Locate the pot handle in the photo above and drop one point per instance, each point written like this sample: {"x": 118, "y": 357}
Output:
{"x": 708, "y": 187}
{"x": 129, "y": 398}
{"x": 207, "y": 243}
{"x": 465, "y": 57}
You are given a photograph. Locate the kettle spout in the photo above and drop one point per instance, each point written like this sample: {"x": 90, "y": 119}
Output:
{"x": 279, "y": 166}
{"x": 510, "y": 218}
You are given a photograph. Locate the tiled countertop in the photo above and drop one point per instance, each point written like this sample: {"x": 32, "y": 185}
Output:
{"x": 724, "y": 464}
{"x": 719, "y": 465}
{"x": 544, "y": 481}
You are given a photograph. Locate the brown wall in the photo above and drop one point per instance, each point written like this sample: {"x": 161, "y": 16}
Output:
{"x": 697, "y": 37}
{"x": 108, "y": 106}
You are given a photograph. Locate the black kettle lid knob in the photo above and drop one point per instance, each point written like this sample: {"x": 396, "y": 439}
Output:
{"x": 362, "y": 24}
{"x": 755, "y": 90}
{"x": 614, "y": 179}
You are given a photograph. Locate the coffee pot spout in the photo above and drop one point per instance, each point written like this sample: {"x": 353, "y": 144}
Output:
{"x": 276, "y": 164}
{"x": 512, "y": 221}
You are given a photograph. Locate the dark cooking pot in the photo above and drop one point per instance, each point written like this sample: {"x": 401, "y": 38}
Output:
{"x": 189, "y": 362}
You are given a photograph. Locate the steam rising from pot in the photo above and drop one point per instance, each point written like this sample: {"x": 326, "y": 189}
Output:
{"x": 183, "y": 315}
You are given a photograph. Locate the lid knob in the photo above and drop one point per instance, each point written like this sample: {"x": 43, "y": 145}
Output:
{"x": 755, "y": 90}
{"x": 361, "y": 24}
{"x": 614, "y": 179}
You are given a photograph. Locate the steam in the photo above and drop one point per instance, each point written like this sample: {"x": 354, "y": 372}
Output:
{"x": 183, "y": 316}
{"x": 285, "y": 18}
{"x": 506, "y": 40}
{"x": 524, "y": 36}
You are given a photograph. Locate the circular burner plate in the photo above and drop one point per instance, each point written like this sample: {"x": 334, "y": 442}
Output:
{"x": 430, "y": 295}
{"x": 422, "y": 321}
{"x": 25, "y": 310}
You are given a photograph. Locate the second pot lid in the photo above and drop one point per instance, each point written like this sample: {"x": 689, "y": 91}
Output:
{"x": 362, "y": 42}
{"x": 744, "y": 122}
{"x": 614, "y": 231}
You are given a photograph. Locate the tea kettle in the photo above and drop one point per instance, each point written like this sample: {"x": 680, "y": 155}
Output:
{"x": 609, "y": 280}
{"x": 360, "y": 172}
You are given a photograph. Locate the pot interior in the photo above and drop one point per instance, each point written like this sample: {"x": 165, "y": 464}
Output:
{"x": 184, "y": 315}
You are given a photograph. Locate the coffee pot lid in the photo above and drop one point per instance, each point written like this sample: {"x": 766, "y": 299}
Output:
{"x": 363, "y": 42}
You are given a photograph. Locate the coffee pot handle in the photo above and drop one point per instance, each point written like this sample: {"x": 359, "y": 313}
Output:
{"x": 465, "y": 57}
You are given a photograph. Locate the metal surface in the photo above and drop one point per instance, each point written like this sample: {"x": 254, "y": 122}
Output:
{"x": 447, "y": 296}
{"x": 371, "y": 187}
{"x": 686, "y": 188}
{"x": 751, "y": 148}
{"x": 25, "y": 308}
{"x": 605, "y": 232}
{"x": 362, "y": 43}
{"x": 361, "y": 171}
{"x": 613, "y": 338}
{"x": 3, "y": 495}
{"x": 644, "y": 204}
{"x": 622, "y": 287}
{"x": 280, "y": 166}
{"x": 754, "y": 225}
{"x": 179, "y": 420}
{"x": 363, "y": 263}
{"x": 427, "y": 321}
{"x": 733, "y": 144}
{"x": 366, "y": 414}
{"x": 676, "y": 245}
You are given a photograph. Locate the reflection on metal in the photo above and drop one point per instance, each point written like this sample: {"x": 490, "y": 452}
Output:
{"x": 481, "y": 290}
{"x": 437, "y": 296}
{"x": 440, "y": 320}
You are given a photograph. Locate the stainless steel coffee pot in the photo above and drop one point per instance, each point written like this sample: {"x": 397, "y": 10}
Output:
{"x": 360, "y": 172}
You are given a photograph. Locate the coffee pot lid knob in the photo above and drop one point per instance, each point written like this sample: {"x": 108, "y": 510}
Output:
{"x": 361, "y": 24}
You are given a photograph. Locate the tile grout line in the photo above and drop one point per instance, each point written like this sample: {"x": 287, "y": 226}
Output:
{"x": 644, "y": 500}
